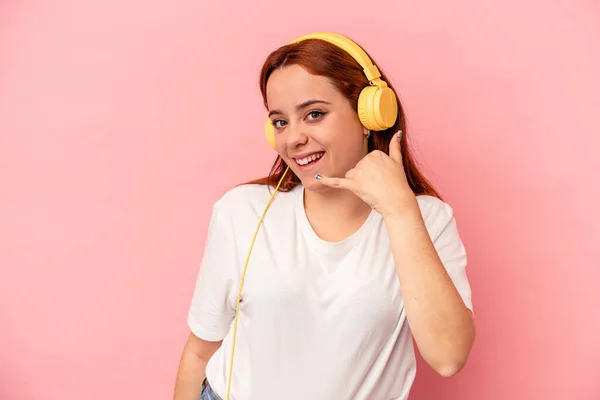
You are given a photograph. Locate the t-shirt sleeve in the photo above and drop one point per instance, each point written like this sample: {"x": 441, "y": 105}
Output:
{"x": 212, "y": 307}
{"x": 450, "y": 248}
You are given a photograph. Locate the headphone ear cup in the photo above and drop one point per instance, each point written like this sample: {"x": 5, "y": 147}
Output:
{"x": 365, "y": 107}
{"x": 377, "y": 108}
{"x": 385, "y": 108}
{"x": 270, "y": 133}
{"x": 366, "y": 112}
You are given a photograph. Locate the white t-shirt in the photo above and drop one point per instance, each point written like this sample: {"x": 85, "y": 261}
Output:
{"x": 318, "y": 320}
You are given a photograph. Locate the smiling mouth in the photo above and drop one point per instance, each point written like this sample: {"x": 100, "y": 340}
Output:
{"x": 309, "y": 160}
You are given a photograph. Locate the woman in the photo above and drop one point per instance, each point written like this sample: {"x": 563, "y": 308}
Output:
{"x": 356, "y": 255}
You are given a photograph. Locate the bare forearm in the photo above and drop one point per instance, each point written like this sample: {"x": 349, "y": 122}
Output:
{"x": 441, "y": 324}
{"x": 191, "y": 372}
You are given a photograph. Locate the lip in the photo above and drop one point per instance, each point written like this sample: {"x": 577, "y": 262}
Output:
{"x": 297, "y": 156}
{"x": 312, "y": 165}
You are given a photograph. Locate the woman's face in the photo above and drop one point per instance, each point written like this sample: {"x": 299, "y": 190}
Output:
{"x": 317, "y": 131}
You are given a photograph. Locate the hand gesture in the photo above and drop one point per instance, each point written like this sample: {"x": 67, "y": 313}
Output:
{"x": 378, "y": 179}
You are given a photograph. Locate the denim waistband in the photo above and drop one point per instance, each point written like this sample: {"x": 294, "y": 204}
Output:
{"x": 207, "y": 393}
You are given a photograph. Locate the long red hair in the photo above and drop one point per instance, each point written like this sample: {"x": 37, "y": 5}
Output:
{"x": 324, "y": 59}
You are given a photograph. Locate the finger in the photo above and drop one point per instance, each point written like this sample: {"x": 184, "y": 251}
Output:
{"x": 339, "y": 183}
{"x": 395, "y": 148}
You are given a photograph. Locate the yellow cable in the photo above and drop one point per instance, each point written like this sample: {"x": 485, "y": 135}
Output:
{"x": 237, "y": 307}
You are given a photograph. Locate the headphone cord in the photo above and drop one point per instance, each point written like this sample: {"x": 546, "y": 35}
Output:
{"x": 237, "y": 307}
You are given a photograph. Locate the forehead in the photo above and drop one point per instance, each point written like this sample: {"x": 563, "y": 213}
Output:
{"x": 293, "y": 85}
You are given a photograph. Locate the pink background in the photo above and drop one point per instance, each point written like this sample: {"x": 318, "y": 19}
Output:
{"x": 114, "y": 114}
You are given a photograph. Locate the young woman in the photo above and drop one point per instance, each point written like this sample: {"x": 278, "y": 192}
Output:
{"x": 356, "y": 256}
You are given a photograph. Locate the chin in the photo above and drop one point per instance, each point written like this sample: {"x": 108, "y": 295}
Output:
{"x": 311, "y": 184}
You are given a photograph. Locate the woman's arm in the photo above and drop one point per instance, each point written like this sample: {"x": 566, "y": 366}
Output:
{"x": 192, "y": 367}
{"x": 211, "y": 310}
{"x": 441, "y": 324}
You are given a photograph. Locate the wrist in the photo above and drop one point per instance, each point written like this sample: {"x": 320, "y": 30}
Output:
{"x": 406, "y": 222}
{"x": 405, "y": 206}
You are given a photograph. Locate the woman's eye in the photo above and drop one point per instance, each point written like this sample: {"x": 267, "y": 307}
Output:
{"x": 315, "y": 114}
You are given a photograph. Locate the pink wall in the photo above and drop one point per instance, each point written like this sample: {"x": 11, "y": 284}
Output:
{"x": 113, "y": 115}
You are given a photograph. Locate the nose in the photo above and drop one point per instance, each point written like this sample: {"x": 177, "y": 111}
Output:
{"x": 296, "y": 135}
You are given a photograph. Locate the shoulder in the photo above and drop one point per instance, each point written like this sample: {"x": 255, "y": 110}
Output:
{"x": 436, "y": 213}
{"x": 243, "y": 194}
{"x": 248, "y": 201}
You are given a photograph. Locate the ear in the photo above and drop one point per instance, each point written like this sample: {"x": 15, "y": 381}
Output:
{"x": 366, "y": 132}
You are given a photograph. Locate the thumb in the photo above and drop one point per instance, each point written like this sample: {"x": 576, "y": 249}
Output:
{"x": 395, "y": 148}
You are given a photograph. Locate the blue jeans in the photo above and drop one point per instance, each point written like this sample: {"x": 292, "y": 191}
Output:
{"x": 207, "y": 392}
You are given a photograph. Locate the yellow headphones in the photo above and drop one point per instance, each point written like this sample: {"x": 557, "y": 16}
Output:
{"x": 377, "y": 106}
{"x": 377, "y": 110}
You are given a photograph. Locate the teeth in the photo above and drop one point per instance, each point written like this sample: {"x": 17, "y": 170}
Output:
{"x": 306, "y": 160}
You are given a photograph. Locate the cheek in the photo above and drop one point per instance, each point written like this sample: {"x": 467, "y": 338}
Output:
{"x": 280, "y": 146}
{"x": 338, "y": 132}
{"x": 282, "y": 151}
{"x": 346, "y": 138}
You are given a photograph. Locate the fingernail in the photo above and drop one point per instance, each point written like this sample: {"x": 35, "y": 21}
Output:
{"x": 399, "y": 135}
{"x": 318, "y": 176}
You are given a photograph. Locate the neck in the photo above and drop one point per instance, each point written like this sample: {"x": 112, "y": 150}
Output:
{"x": 336, "y": 205}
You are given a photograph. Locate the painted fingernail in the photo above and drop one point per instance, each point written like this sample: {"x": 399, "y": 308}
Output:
{"x": 318, "y": 176}
{"x": 399, "y": 135}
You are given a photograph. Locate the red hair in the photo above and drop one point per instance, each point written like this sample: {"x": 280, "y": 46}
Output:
{"x": 321, "y": 58}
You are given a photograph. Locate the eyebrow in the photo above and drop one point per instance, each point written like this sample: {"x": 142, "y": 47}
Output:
{"x": 302, "y": 106}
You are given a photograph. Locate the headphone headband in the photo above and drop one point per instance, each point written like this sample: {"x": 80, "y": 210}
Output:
{"x": 349, "y": 47}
